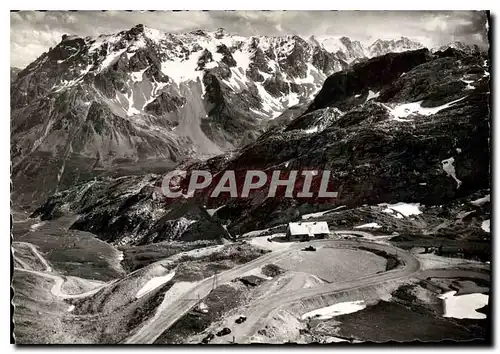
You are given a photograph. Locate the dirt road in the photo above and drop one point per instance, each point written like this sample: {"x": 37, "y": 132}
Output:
{"x": 257, "y": 318}
{"x": 33, "y": 249}
{"x": 56, "y": 289}
{"x": 59, "y": 280}
{"x": 167, "y": 315}
{"x": 152, "y": 329}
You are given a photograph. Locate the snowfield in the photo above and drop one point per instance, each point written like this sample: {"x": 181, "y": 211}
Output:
{"x": 464, "y": 306}
{"x": 449, "y": 168}
{"x": 372, "y": 225}
{"x": 202, "y": 307}
{"x": 402, "y": 209}
{"x": 468, "y": 82}
{"x": 481, "y": 201}
{"x": 341, "y": 308}
{"x": 138, "y": 75}
{"x": 154, "y": 283}
{"x": 485, "y": 225}
{"x": 36, "y": 226}
{"x": 321, "y": 213}
{"x": 180, "y": 69}
{"x": 401, "y": 111}
{"x": 372, "y": 94}
{"x": 211, "y": 212}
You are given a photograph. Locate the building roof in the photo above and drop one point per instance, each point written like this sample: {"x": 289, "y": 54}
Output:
{"x": 308, "y": 228}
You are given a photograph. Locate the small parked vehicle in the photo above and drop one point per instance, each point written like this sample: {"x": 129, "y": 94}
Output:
{"x": 208, "y": 338}
{"x": 241, "y": 319}
{"x": 223, "y": 332}
{"x": 309, "y": 248}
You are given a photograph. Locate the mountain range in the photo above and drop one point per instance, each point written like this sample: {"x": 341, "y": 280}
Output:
{"x": 410, "y": 126}
{"x": 350, "y": 50}
{"x": 143, "y": 100}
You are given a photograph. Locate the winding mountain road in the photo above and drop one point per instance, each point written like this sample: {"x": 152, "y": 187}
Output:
{"x": 59, "y": 280}
{"x": 33, "y": 249}
{"x": 171, "y": 313}
{"x": 56, "y": 289}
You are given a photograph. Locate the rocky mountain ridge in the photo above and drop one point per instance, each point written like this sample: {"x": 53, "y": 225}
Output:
{"x": 13, "y": 73}
{"x": 354, "y": 51}
{"x": 403, "y": 44}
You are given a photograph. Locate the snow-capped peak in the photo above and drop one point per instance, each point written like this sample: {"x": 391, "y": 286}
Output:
{"x": 457, "y": 45}
{"x": 345, "y": 48}
{"x": 381, "y": 46}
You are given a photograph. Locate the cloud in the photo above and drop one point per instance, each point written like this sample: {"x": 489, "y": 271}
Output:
{"x": 33, "y": 32}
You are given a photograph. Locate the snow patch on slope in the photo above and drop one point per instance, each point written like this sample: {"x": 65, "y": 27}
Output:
{"x": 481, "y": 201}
{"x": 341, "y": 308}
{"x": 449, "y": 168}
{"x": 402, "y": 209}
{"x": 154, "y": 283}
{"x": 36, "y": 226}
{"x": 70, "y": 83}
{"x": 242, "y": 58}
{"x": 211, "y": 212}
{"x": 485, "y": 225}
{"x": 464, "y": 306}
{"x": 137, "y": 75}
{"x": 270, "y": 104}
{"x": 372, "y": 225}
{"x": 331, "y": 44}
{"x": 320, "y": 213}
{"x": 372, "y": 94}
{"x": 111, "y": 58}
{"x": 401, "y": 111}
{"x": 468, "y": 82}
{"x": 179, "y": 70}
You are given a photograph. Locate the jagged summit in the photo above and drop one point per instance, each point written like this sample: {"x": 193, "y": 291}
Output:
{"x": 381, "y": 46}
{"x": 457, "y": 45}
{"x": 179, "y": 44}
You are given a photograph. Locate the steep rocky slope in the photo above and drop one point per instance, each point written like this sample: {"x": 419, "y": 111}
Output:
{"x": 411, "y": 127}
{"x": 13, "y": 73}
{"x": 422, "y": 137}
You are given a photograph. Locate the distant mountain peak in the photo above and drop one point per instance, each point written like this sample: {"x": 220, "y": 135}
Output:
{"x": 381, "y": 46}
{"x": 457, "y": 45}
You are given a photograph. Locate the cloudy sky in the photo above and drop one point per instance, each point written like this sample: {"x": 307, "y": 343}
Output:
{"x": 32, "y": 33}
